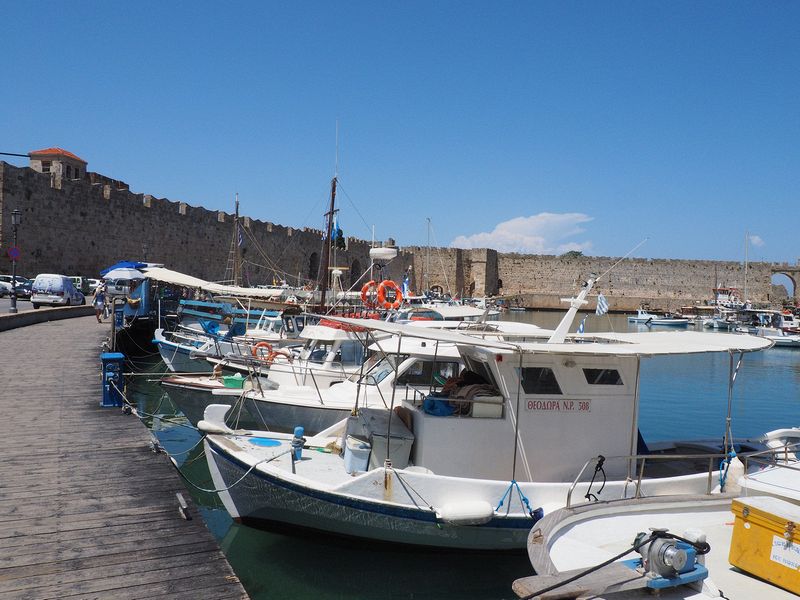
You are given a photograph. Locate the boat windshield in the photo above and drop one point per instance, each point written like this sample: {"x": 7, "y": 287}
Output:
{"x": 376, "y": 369}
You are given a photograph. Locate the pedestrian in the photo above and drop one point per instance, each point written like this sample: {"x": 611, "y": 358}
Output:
{"x": 99, "y": 302}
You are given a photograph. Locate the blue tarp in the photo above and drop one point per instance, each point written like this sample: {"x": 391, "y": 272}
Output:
{"x": 124, "y": 264}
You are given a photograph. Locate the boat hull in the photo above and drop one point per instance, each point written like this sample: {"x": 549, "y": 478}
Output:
{"x": 179, "y": 360}
{"x": 266, "y": 498}
{"x": 193, "y": 401}
{"x": 279, "y": 416}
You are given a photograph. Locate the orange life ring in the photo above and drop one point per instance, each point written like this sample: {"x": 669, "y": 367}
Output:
{"x": 388, "y": 284}
{"x": 275, "y": 353}
{"x": 260, "y": 345}
{"x": 366, "y": 292}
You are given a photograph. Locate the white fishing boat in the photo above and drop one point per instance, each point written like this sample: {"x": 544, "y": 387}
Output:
{"x": 192, "y": 394}
{"x": 444, "y": 312}
{"x": 184, "y": 349}
{"x": 645, "y": 318}
{"x": 330, "y": 353}
{"x": 779, "y": 337}
{"x": 411, "y": 370}
{"x": 187, "y": 348}
{"x": 679, "y": 547}
{"x": 478, "y": 478}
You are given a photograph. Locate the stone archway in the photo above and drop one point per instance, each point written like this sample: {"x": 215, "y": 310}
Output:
{"x": 791, "y": 293}
{"x": 793, "y": 273}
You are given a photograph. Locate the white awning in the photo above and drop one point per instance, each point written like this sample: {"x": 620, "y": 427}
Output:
{"x": 176, "y": 278}
{"x": 604, "y": 344}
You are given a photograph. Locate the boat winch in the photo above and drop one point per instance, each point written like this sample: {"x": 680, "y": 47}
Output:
{"x": 669, "y": 561}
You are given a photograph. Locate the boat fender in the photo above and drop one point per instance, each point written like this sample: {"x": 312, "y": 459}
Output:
{"x": 735, "y": 472}
{"x": 466, "y": 512}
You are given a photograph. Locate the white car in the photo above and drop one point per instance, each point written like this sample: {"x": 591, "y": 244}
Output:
{"x": 5, "y": 289}
{"x": 55, "y": 290}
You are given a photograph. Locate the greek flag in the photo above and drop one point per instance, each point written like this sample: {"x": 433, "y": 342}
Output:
{"x": 581, "y": 326}
{"x": 602, "y": 305}
{"x": 240, "y": 235}
{"x": 405, "y": 286}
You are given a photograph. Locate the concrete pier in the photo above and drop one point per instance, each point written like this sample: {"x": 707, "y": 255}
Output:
{"x": 86, "y": 509}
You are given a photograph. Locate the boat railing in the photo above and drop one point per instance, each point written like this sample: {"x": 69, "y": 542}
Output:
{"x": 785, "y": 457}
{"x": 637, "y": 462}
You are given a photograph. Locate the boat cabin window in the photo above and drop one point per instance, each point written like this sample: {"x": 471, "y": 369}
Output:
{"x": 426, "y": 372}
{"x": 289, "y": 325}
{"x": 318, "y": 350}
{"x": 300, "y": 322}
{"x": 602, "y": 377}
{"x": 481, "y": 369}
{"x": 539, "y": 380}
{"x": 379, "y": 370}
{"x": 351, "y": 352}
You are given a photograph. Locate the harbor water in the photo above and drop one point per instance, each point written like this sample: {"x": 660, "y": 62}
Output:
{"x": 682, "y": 397}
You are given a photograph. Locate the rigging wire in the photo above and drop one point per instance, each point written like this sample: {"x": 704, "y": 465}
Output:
{"x": 363, "y": 220}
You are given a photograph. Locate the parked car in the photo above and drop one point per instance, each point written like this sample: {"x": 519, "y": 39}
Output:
{"x": 117, "y": 287}
{"x": 93, "y": 283}
{"x": 56, "y": 290}
{"x": 23, "y": 286}
{"x": 81, "y": 283}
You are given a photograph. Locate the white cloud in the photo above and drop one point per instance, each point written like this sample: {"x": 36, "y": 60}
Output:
{"x": 545, "y": 233}
{"x": 756, "y": 241}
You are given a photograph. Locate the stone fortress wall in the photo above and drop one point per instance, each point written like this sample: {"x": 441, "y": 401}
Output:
{"x": 81, "y": 226}
{"x": 77, "y": 222}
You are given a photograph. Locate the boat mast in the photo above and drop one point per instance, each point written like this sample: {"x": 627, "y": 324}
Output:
{"x": 326, "y": 248}
{"x": 237, "y": 260}
{"x": 428, "y": 261}
{"x": 560, "y": 333}
{"x": 746, "y": 235}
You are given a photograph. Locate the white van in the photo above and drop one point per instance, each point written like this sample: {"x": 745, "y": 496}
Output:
{"x": 56, "y": 290}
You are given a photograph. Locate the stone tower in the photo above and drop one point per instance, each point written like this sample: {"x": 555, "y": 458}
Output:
{"x": 62, "y": 163}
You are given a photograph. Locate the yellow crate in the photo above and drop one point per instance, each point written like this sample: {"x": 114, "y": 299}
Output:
{"x": 766, "y": 540}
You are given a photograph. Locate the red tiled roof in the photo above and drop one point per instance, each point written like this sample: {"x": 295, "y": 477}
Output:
{"x": 56, "y": 151}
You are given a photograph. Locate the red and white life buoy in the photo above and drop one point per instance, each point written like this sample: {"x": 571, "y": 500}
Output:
{"x": 383, "y": 288}
{"x": 368, "y": 294}
{"x": 258, "y": 354}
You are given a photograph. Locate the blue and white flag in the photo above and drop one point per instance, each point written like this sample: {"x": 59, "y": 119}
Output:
{"x": 581, "y": 326}
{"x": 602, "y": 305}
{"x": 240, "y": 235}
{"x": 406, "y": 284}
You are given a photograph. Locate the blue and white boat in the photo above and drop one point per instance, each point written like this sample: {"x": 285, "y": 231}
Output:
{"x": 645, "y": 318}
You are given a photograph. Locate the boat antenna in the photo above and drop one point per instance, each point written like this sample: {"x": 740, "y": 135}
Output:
{"x": 560, "y": 334}
{"x": 326, "y": 247}
{"x": 631, "y": 251}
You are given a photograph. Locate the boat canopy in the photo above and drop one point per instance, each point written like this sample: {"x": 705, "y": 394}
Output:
{"x": 176, "y": 278}
{"x": 607, "y": 344}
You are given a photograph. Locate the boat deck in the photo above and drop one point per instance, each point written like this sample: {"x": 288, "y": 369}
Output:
{"x": 86, "y": 509}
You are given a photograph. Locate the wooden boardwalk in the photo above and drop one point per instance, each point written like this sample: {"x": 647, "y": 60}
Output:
{"x": 86, "y": 509}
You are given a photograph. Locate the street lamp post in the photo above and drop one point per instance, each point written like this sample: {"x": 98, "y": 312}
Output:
{"x": 15, "y": 220}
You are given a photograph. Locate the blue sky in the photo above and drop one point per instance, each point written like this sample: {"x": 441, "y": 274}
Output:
{"x": 529, "y": 126}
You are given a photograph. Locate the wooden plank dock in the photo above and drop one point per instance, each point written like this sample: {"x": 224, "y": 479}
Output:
{"x": 87, "y": 510}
